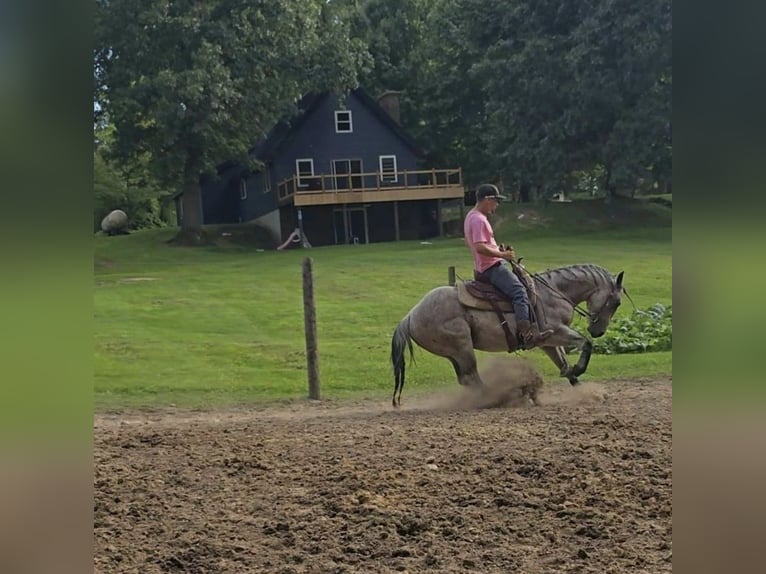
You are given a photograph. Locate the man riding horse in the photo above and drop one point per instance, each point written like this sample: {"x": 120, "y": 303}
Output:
{"x": 491, "y": 263}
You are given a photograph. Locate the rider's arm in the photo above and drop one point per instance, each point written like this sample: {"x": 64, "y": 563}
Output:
{"x": 491, "y": 251}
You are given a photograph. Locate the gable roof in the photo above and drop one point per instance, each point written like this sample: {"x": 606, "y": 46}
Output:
{"x": 268, "y": 148}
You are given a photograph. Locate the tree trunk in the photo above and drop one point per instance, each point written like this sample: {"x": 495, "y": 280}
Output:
{"x": 192, "y": 207}
{"x": 192, "y": 197}
{"x": 524, "y": 192}
{"x": 609, "y": 186}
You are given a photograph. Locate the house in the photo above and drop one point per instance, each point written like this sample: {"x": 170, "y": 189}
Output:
{"x": 341, "y": 173}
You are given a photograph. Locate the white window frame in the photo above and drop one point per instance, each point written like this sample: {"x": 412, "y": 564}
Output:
{"x": 383, "y": 177}
{"x": 242, "y": 188}
{"x": 338, "y": 120}
{"x": 267, "y": 178}
{"x": 298, "y": 171}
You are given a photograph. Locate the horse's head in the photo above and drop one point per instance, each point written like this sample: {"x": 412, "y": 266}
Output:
{"x": 602, "y": 305}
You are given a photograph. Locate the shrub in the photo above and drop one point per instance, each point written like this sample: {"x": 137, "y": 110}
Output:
{"x": 644, "y": 331}
{"x": 143, "y": 204}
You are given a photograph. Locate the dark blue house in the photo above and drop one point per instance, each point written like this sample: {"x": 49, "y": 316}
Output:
{"x": 342, "y": 173}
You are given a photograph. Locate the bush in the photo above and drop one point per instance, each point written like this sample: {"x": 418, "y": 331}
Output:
{"x": 644, "y": 331}
{"x": 142, "y": 204}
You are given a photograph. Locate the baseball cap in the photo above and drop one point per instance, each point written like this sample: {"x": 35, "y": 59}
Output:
{"x": 486, "y": 190}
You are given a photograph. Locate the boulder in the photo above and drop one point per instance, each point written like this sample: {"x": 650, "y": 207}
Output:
{"x": 115, "y": 223}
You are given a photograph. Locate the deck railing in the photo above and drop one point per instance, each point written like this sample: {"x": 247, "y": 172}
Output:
{"x": 370, "y": 182}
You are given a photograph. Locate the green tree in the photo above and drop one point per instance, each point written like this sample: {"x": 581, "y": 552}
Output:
{"x": 530, "y": 91}
{"x": 394, "y": 33}
{"x": 188, "y": 84}
{"x": 452, "y": 98}
{"x": 127, "y": 184}
{"x": 625, "y": 51}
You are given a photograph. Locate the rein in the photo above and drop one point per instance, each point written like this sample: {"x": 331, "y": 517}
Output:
{"x": 593, "y": 317}
{"x": 577, "y": 308}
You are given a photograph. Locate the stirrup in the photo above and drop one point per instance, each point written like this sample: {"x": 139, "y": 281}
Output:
{"x": 537, "y": 338}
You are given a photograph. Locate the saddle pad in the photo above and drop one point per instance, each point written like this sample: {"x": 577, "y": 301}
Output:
{"x": 473, "y": 302}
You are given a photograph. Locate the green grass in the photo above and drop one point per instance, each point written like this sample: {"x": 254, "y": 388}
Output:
{"x": 224, "y": 324}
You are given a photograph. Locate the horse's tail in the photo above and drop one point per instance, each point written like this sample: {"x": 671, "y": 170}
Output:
{"x": 399, "y": 342}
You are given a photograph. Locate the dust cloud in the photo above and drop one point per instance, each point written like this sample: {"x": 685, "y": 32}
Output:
{"x": 513, "y": 382}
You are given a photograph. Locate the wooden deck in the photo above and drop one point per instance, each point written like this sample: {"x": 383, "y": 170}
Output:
{"x": 331, "y": 189}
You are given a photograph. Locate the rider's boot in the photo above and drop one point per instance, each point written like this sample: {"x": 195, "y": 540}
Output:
{"x": 531, "y": 335}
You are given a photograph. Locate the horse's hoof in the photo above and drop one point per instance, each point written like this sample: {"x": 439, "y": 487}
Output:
{"x": 573, "y": 381}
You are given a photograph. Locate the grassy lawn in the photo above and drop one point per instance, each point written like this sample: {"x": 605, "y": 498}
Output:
{"x": 223, "y": 325}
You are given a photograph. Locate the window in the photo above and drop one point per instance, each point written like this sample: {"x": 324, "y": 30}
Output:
{"x": 304, "y": 168}
{"x": 342, "y": 169}
{"x": 242, "y": 188}
{"x": 267, "y": 178}
{"x": 343, "y": 123}
{"x": 388, "y": 168}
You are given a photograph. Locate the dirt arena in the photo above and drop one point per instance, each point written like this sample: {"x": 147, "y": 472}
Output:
{"x": 581, "y": 483}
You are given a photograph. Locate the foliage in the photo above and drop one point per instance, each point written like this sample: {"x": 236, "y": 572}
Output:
{"x": 395, "y": 33}
{"x": 529, "y": 91}
{"x": 112, "y": 191}
{"x": 646, "y": 330}
{"x": 126, "y": 185}
{"x": 190, "y": 84}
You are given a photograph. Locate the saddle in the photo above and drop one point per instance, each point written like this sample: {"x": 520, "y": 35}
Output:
{"x": 480, "y": 294}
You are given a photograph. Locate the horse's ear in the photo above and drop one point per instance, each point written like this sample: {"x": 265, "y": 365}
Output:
{"x": 619, "y": 279}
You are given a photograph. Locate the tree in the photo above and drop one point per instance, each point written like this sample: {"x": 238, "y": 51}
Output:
{"x": 394, "y": 33}
{"x": 188, "y": 84}
{"x": 452, "y": 97}
{"x": 629, "y": 54}
{"x": 530, "y": 91}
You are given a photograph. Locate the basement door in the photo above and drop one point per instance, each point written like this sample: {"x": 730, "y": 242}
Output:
{"x": 350, "y": 225}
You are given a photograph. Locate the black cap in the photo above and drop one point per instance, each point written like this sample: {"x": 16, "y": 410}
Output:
{"x": 486, "y": 190}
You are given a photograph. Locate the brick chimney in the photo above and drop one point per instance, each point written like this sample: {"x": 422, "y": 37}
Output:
{"x": 389, "y": 101}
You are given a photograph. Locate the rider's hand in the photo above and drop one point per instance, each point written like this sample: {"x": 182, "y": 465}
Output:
{"x": 509, "y": 254}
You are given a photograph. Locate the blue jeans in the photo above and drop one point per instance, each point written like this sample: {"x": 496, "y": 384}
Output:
{"x": 504, "y": 279}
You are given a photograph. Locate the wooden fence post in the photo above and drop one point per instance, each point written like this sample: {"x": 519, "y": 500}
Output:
{"x": 310, "y": 323}
{"x": 451, "y": 275}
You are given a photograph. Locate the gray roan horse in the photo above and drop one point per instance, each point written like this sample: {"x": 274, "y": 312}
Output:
{"x": 441, "y": 324}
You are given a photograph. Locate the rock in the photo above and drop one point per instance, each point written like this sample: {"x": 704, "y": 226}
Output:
{"x": 115, "y": 222}
{"x": 432, "y": 467}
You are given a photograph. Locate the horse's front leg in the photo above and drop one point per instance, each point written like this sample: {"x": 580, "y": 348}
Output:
{"x": 566, "y": 337}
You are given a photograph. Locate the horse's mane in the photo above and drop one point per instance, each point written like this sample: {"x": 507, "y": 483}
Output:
{"x": 587, "y": 271}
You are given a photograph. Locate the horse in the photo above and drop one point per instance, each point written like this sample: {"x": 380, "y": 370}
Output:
{"x": 442, "y": 325}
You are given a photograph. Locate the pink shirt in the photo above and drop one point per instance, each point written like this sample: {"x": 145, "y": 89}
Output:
{"x": 477, "y": 229}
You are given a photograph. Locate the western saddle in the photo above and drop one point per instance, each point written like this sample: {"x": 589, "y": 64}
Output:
{"x": 480, "y": 294}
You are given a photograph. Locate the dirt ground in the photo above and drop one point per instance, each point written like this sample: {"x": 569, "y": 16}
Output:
{"x": 580, "y": 483}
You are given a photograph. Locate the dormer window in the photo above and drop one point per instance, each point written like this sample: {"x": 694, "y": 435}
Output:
{"x": 343, "y": 123}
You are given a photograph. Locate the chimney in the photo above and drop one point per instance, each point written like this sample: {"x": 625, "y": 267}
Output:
{"x": 389, "y": 101}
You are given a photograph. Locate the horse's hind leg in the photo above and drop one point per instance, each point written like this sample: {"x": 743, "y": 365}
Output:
{"x": 466, "y": 369}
